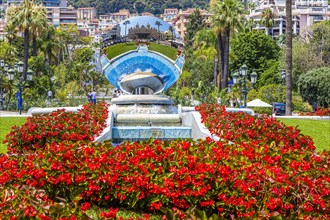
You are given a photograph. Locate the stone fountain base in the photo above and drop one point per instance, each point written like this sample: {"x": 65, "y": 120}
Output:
{"x": 142, "y": 99}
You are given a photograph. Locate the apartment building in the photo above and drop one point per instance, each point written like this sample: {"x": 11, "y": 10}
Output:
{"x": 181, "y": 20}
{"x": 311, "y": 12}
{"x": 169, "y": 14}
{"x": 86, "y": 13}
{"x": 111, "y": 33}
{"x": 304, "y": 12}
{"x": 61, "y": 15}
{"x": 120, "y": 16}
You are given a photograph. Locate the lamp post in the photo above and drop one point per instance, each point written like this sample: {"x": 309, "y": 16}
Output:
{"x": 240, "y": 78}
{"x": 283, "y": 74}
{"x": 21, "y": 84}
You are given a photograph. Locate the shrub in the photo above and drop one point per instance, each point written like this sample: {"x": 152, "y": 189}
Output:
{"x": 318, "y": 112}
{"x": 58, "y": 126}
{"x": 314, "y": 86}
{"x": 267, "y": 170}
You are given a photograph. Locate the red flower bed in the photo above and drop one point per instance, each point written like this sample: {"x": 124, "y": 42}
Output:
{"x": 318, "y": 112}
{"x": 262, "y": 131}
{"x": 58, "y": 126}
{"x": 268, "y": 170}
{"x": 226, "y": 179}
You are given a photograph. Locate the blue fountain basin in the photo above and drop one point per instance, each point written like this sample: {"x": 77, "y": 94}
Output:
{"x": 166, "y": 71}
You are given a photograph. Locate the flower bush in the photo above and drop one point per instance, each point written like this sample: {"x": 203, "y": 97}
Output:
{"x": 266, "y": 170}
{"x": 58, "y": 126}
{"x": 318, "y": 112}
{"x": 29, "y": 203}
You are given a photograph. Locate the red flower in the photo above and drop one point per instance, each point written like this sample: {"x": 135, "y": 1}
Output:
{"x": 111, "y": 214}
{"x": 85, "y": 206}
{"x": 155, "y": 205}
{"x": 207, "y": 203}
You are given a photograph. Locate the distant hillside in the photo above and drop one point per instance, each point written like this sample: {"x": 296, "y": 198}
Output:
{"x": 154, "y": 6}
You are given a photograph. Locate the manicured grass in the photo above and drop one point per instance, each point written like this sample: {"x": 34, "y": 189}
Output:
{"x": 5, "y": 125}
{"x": 170, "y": 52}
{"x": 319, "y": 130}
{"x": 118, "y": 49}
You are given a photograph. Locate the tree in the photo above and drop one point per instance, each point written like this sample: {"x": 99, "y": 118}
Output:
{"x": 22, "y": 16}
{"x": 267, "y": 19}
{"x": 305, "y": 58}
{"x": 205, "y": 44}
{"x": 288, "y": 57}
{"x": 127, "y": 22}
{"x": 196, "y": 23}
{"x": 320, "y": 40}
{"x": 51, "y": 46}
{"x": 158, "y": 23}
{"x": 40, "y": 25}
{"x": 228, "y": 17}
{"x": 314, "y": 86}
{"x": 171, "y": 30}
{"x": 255, "y": 49}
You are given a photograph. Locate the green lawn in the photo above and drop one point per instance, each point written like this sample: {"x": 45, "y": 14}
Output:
{"x": 118, "y": 49}
{"x": 5, "y": 125}
{"x": 319, "y": 130}
{"x": 170, "y": 52}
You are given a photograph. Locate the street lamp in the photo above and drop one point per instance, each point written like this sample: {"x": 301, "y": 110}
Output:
{"x": 22, "y": 82}
{"x": 283, "y": 74}
{"x": 254, "y": 77}
{"x": 240, "y": 78}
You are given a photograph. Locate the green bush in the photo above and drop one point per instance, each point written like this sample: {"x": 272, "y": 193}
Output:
{"x": 314, "y": 86}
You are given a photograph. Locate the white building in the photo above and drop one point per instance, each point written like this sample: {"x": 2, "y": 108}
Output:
{"x": 304, "y": 12}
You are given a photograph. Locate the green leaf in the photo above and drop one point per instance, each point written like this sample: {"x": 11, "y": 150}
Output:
{"x": 201, "y": 214}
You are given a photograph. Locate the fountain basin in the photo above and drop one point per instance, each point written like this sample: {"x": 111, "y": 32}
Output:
{"x": 142, "y": 99}
{"x": 148, "y": 119}
{"x": 138, "y": 133}
{"x": 165, "y": 71}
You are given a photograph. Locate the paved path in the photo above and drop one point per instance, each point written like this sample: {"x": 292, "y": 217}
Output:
{"x": 13, "y": 114}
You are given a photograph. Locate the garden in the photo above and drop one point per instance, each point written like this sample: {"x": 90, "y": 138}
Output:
{"x": 261, "y": 169}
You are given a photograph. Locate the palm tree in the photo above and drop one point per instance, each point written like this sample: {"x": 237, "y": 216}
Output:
{"x": 11, "y": 32}
{"x": 158, "y": 23}
{"x": 267, "y": 19}
{"x": 228, "y": 17}
{"x": 205, "y": 44}
{"x": 21, "y": 16}
{"x": 40, "y": 24}
{"x": 288, "y": 57}
{"x": 51, "y": 45}
{"x": 171, "y": 29}
{"x": 126, "y": 23}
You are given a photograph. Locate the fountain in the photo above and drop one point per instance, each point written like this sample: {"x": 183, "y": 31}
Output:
{"x": 141, "y": 112}
{"x": 142, "y": 75}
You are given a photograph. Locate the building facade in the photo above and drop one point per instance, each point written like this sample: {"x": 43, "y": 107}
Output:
{"x": 86, "y": 13}
{"x": 61, "y": 16}
{"x": 120, "y": 16}
{"x": 304, "y": 12}
{"x": 170, "y": 14}
{"x": 182, "y": 19}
